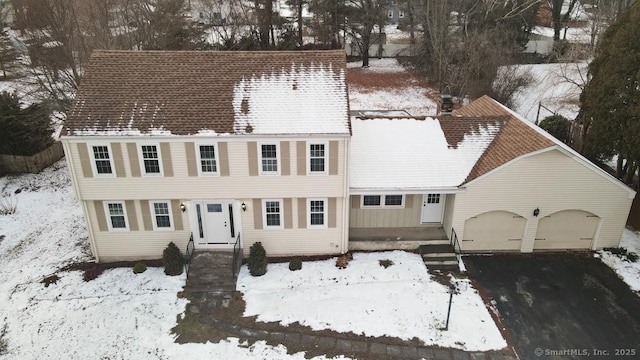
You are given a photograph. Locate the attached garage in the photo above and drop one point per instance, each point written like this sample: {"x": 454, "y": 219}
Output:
{"x": 494, "y": 230}
{"x": 569, "y": 229}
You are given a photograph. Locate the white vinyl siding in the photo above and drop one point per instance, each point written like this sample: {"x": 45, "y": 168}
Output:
{"x": 239, "y": 185}
{"x": 269, "y": 158}
{"x": 298, "y": 240}
{"x": 207, "y": 156}
{"x": 317, "y": 157}
{"x": 150, "y": 159}
{"x": 550, "y": 181}
{"x": 161, "y": 215}
{"x": 101, "y": 160}
{"x": 317, "y": 213}
{"x": 272, "y": 213}
{"x": 116, "y": 213}
{"x": 407, "y": 215}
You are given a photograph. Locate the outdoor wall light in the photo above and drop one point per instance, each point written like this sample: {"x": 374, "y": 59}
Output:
{"x": 243, "y": 206}
{"x": 183, "y": 207}
{"x": 536, "y": 212}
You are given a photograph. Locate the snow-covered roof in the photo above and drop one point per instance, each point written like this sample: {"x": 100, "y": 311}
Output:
{"x": 162, "y": 93}
{"x": 417, "y": 153}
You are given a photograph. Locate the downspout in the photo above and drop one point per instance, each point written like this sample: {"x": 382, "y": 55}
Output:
{"x": 347, "y": 199}
{"x": 76, "y": 189}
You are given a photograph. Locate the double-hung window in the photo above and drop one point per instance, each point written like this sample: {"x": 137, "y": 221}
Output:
{"x": 101, "y": 160}
{"x": 272, "y": 214}
{"x": 116, "y": 216}
{"x": 207, "y": 159}
{"x": 161, "y": 212}
{"x": 317, "y": 217}
{"x": 269, "y": 159}
{"x": 317, "y": 158}
{"x": 151, "y": 160}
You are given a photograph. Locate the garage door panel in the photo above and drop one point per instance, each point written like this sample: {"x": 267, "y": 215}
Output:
{"x": 495, "y": 230}
{"x": 569, "y": 229}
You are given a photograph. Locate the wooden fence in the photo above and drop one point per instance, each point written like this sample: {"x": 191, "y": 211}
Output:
{"x": 15, "y": 164}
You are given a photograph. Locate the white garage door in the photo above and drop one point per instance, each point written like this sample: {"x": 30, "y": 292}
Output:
{"x": 495, "y": 230}
{"x": 569, "y": 229}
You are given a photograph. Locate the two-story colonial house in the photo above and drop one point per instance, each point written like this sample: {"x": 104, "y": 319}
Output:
{"x": 162, "y": 145}
{"x": 238, "y": 147}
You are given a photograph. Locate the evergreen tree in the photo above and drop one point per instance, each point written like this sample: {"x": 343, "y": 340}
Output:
{"x": 7, "y": 54}
{"x": 611, "y": 100}
{"x": 23, "y": 131}
{"x": 558, "y": 126}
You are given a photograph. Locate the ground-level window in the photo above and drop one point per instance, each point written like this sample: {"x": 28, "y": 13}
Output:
{"x": 161, "y": 211}
{"x": 116, "y": 216}
{"x": 393, "y": 200}
{"x": 102, "y": 159}
{"x": 371, "y": 200}
{"x": 381, "y": 201}
{"x": 151, "y": 159}
{"x": 317, "y": 213}
{"x": 272, "y": 214}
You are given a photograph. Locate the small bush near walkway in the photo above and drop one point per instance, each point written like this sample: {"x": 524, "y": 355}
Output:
{"x": 257, "y": 262}
{"x": 172, "y": 260}
{"x": 139, "y": 268}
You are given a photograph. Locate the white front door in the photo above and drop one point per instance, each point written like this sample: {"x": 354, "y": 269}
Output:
{"x": 214, "y": 224}
{"x": 432, "y": 208}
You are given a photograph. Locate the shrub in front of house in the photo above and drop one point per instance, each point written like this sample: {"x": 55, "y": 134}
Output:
{"x": 623, "y": 253}
{"x": 172, "y": 260}
{"x": 295, "y": 264}
{"x": 139, "y": 268}
{"x": 257, "y": 262}
{"x": 385, "y": 263}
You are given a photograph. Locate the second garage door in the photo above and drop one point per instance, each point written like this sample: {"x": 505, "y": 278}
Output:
{"x": 494, "y": 230}
{"x": 569, "y": 229}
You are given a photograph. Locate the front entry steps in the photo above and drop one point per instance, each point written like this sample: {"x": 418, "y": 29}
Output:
{"x": 210, "y": 271}
{"x": 439, "y": 256}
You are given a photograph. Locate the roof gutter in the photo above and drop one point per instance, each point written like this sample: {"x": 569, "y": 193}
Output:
{"x": 401, "y": 190}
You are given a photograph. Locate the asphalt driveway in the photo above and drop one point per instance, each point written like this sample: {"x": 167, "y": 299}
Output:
{"x": 561, "y": 306}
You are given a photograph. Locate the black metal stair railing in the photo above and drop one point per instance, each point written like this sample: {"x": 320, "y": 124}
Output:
{"x": 237, "y": 257}
{"x": 188, "y": 255}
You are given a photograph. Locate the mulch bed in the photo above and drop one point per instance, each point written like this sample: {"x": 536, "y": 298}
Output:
{"x": 92, "y": 270}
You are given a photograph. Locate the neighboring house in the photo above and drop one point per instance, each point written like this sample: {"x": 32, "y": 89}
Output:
{"x": 257, "y": 146}
{"x": 226, "y": 146}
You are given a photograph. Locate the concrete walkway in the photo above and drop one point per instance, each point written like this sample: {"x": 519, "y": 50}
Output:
{"x": 202, "y": 304}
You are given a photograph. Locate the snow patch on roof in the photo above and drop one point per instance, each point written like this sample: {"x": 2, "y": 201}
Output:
{"x": 303, "y": 100}
{"x": 412, "y": 154}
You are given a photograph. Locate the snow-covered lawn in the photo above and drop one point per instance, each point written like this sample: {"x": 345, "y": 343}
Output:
{"x": 119, "y": 315}
{"x": 553, "y": 85}
{"x": 411, "y": 96}
{"x": 627, "y": 271}
{"x": 400, "y": 301}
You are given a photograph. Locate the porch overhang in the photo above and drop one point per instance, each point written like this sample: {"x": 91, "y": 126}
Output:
{"x": 403, "y": 190}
